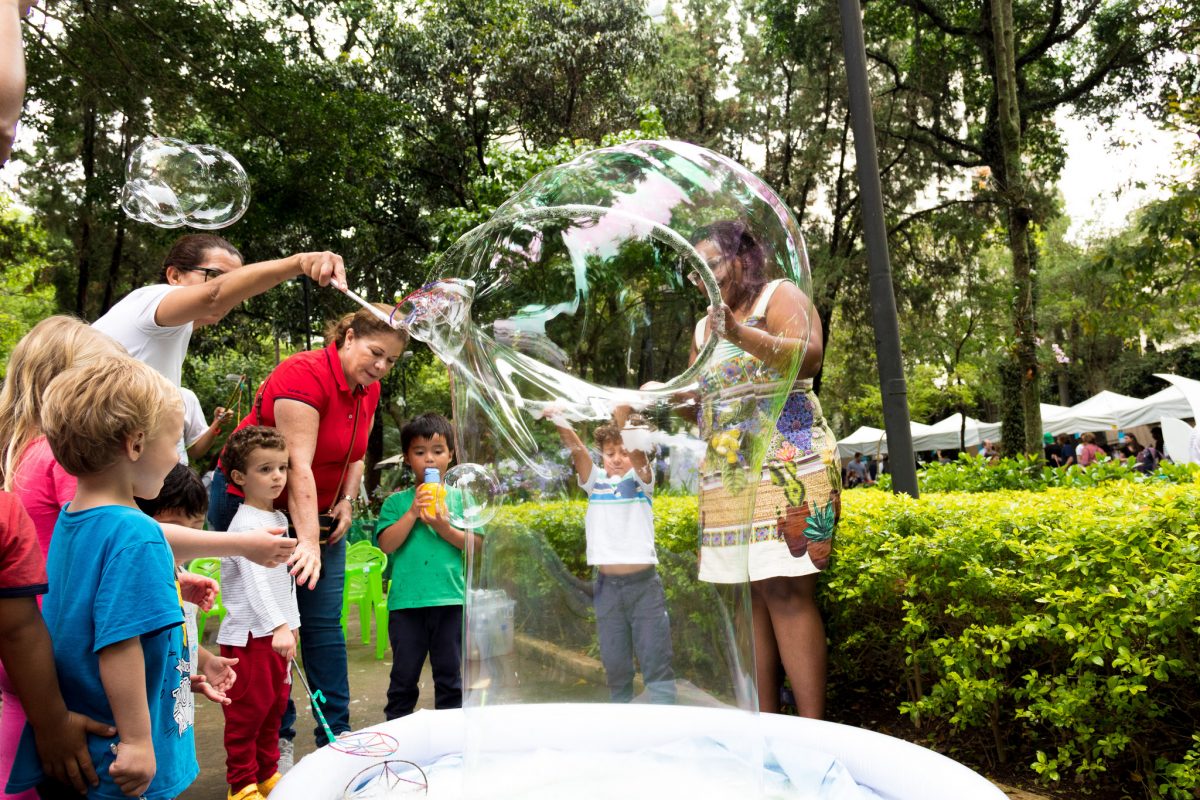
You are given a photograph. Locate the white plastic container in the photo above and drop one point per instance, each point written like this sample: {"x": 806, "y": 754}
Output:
{"x": 489, "y": 624}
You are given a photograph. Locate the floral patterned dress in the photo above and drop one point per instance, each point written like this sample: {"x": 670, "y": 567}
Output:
{"x": 795, "y": 504}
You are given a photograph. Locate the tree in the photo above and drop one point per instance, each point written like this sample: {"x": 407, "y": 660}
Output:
{"x": 690, "y": 82}
{"x": 570, "y": 66}
{"x": 989, "y": 76}
{"x": 793, "y": 104}
{"x": 26, "y": 253}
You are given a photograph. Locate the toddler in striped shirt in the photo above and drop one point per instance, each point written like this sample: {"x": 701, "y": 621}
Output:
{"x": 260, "y": 626}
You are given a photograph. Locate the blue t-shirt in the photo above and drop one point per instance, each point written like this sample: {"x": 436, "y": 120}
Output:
{"x": 112, "y": 577}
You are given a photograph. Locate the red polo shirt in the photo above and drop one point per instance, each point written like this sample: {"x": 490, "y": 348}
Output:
{"x": 316, "y": 378}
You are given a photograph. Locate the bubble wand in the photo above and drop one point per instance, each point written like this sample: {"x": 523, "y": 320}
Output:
{"x": 353, "y": 295}
{"x": 316, "y": 698}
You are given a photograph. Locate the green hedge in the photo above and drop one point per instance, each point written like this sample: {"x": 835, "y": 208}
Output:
{"x": 1060, "y": 625}
{"x": 1055, "y": 629}
{"x": 973, "y": 473}
{"x": 555, "y": 585}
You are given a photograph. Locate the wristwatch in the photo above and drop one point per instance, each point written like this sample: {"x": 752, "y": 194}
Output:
{"x": 348, "y": 498}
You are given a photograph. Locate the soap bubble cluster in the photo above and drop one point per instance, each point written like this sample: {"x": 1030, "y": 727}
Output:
{"x": 170, "y": 183}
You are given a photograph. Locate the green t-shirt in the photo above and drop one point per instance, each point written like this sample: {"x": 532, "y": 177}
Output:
{"x": 426, "y": 570}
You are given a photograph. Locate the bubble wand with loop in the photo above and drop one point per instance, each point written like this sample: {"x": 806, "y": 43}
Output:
{"x": 353, "y": 295}
{"x": 317, "y": 698}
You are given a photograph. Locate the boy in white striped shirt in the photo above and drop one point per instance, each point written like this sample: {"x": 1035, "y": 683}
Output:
{"x": 260, "y": 627}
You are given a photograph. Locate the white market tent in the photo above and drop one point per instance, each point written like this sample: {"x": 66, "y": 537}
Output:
{"x": 1106, "y": 406}
{"x": 873, "y": 441}
{"x": 950, "y": 434}
{"x": 1170, "y": 402}
{"x": 1104, "y": 411}
{"x": 1068, "y": 419}
{"x": 1191, "y": 392}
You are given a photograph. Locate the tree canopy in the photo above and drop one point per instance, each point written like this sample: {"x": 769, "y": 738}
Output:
{"x": 384, "y": 131}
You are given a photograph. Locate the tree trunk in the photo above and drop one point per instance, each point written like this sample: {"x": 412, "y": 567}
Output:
{"x": 114, "y": 264}
{"x": 1019, "y": 214}
{"x": 374, "y": 452}
{"x": 1062, "y": 373}
{"x": 85, "y": 209}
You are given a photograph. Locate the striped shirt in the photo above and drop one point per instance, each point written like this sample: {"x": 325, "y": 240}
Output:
{"x": 258, "y": 600}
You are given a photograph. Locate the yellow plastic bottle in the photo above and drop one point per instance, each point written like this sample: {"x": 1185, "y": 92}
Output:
{"x": 438, "y": 496}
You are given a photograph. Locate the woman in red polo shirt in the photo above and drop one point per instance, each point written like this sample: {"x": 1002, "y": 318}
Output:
{"x": 323, "y": 401}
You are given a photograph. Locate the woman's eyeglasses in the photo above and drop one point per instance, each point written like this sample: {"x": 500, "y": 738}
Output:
{"x": 209, "y": 272}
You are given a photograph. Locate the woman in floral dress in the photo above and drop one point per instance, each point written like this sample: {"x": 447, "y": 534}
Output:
{"x": 764, "y": 329}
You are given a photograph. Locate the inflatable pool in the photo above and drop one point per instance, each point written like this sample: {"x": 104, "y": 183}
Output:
{"x": 634, "y": 750}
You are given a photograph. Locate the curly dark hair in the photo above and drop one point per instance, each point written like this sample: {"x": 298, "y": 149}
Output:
{"x": 244, "y": 442}
{"x": 182, "y": 491}
{"x": 735, "y": 240}
{"x": 607, "y": 434}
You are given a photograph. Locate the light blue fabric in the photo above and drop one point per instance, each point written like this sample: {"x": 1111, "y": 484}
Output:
{"x": 791, "y": 774}
{"x": 112, "y": 578}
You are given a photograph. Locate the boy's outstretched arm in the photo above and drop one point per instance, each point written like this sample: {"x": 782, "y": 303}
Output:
{"x": 123, "y": 675}
{"x": 581, "y": 459}
{"x": 61, "y": 735}
{"x": 265, "y": 546}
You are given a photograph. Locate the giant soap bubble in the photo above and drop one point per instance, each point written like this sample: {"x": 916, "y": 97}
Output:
{"x": 170, "y": 183}
{"x": 576, "y": 328}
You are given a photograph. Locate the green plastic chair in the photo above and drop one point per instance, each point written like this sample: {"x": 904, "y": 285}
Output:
{"x": 209, "y": 568}
{"x": 364, "y": 588}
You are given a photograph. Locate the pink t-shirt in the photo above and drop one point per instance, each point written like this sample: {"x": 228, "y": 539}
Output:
{"x": 43, "y": 487}
{"x": 1088, "y": 455}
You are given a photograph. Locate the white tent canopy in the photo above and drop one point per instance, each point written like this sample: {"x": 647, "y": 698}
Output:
{"x": 1106, "y": 406}
{"x": 1064, "y": 419}
{"x": 951, "y": 433}
{"x": 1191, "y": 391}
{"x": 1104, "y": 411}
{"x": 872, "y": 441}
{"x": 1170, "y": 402}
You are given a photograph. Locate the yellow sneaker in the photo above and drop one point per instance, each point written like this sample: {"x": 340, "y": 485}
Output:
{"x": 265, "y": 787}
{"x": 248, "y": 792}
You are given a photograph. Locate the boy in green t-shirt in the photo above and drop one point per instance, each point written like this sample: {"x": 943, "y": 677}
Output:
{"x": 425, "y": 601}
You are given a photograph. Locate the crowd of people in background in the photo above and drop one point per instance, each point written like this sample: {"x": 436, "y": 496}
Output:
{"x": 1063, "y": 450}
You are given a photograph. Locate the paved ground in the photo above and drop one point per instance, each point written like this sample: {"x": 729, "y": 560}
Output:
{"x": 368, "y": 692}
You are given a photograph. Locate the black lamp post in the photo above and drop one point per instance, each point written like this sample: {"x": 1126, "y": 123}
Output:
{"x": 883, "y": 299}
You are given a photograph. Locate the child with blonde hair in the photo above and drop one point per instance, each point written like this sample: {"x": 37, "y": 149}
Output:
{"x": 113, "y": 609}
{"x": 52, "y": 346}
{"x": 31, "y": 472}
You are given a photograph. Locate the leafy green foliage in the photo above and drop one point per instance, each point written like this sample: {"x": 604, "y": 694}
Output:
{"x": 1056, "y": 630}
{"x": 26, "y": 253}
{"x": 974, "y": 473}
